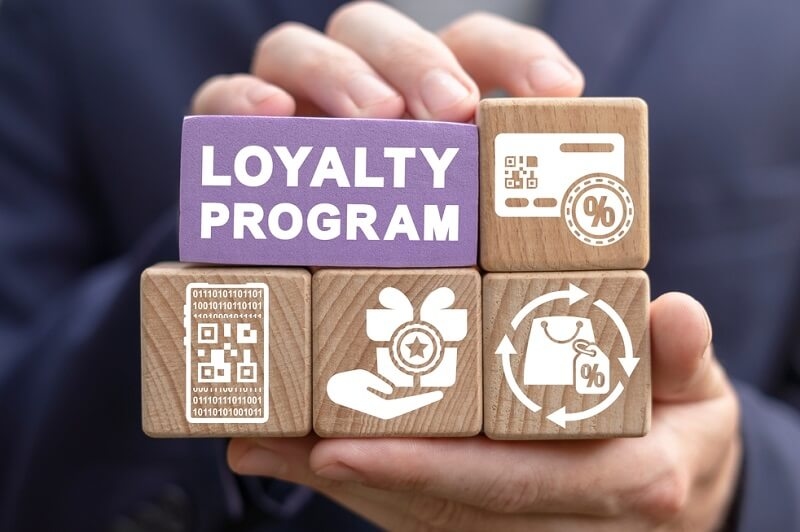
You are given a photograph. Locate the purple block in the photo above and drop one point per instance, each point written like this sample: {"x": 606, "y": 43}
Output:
{"x": 328, "y": 192}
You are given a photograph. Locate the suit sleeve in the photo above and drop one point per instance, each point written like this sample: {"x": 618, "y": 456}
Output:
{"x": 768, "y": 496}
{"x": 69, "y": 355}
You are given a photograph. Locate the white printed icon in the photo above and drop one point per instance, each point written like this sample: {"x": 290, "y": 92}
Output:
{"x": 591, "y": 368}
{"x": 215, "y": 367}
{"x": 578, "y": 177}
{"x": 415, "y": 353}
{"x": 227, "y": 352}
{"x": 562, "y": 351}
{"x": 557, "y": 353}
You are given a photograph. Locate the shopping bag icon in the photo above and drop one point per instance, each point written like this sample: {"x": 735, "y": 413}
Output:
{"x": 550, "y": 356}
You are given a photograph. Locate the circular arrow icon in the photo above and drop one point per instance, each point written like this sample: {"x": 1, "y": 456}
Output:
{"x": 560, "y": 416}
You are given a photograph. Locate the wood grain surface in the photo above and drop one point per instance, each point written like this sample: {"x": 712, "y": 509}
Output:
{"x": 340, "y": 301}
{"x": 504, "y": 295}
{"x": 164, "y": 354}
{"x": 509, "y": 244}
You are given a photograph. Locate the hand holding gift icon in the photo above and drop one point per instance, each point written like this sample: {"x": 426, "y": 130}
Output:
{"x": 415, "y": 354}
{"x": 356, "y": 389}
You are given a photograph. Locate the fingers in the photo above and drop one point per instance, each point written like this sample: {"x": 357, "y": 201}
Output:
{"x": 322, "y": 71}
{"x": 684, "y": 367}
{"x": 501, "y": 54}
{"x": 287, "y": 459}
{"x": 376, "y": 62}
{"x": 687, "y": 375}
{"x": 241, "y": 94}
{"x": 415, "y": 61}
{"x": 500, "y": 477}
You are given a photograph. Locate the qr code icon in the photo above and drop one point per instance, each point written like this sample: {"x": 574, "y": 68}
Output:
{"x": 232, "y": 361}
{"x": 519, "y": 171}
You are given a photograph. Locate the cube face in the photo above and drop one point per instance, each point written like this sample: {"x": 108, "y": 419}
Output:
{"x": 397, "y": 352}
{"x": 225, "y": 351}
{"x": 566, "y": 355}
{"x": 564, "y": 184}
{"x": 328, "y": 192}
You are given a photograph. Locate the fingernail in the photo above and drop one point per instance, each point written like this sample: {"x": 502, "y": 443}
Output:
{"x": 340, "y": 472}
{"x": 259, "y": 461}
{"x": 709, "y": 329}
{"x": 257, "y": 93}
{"x": 546, "y": 74}
{"x": 366, "y": 90}
{"x": 440, "y": 90}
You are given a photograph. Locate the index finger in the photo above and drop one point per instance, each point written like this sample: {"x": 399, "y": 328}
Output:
{"x": 501, "y": 54}
{"x": 411, "y": 59}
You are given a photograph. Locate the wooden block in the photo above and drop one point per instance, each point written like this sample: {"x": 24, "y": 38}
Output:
{"x": 397, "y": 352}
{"x": 225, "y": 351}
{"x": 564, "y": 184}
{"x": 328, "y": 192}
{"x": 566, "y": 355}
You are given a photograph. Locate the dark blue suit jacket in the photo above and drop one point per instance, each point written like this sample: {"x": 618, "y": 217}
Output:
{"x": 91, "y": 99}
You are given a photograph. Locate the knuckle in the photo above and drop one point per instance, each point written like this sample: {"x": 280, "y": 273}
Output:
{"x": 468, "y": 23}
{"x": 666, "y": 495}
{"x": 265, "y": 41}
{"x": 272, "y": 40}
{"x": 476, "y": 22}
{"x": 280, "y": 32}
{"x": 309, "y": 62}
{"x": 666, "y": 499}
{"x": 536, "y": 44}
{"x": 343, "y": 14}
{"x": 411, "y": 48}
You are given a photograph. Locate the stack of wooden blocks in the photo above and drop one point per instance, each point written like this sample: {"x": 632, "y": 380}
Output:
{"x": 397, "y": 332}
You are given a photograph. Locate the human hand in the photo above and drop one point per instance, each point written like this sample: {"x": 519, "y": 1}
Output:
{"x": 681, "y": 476}
{"x": 374, "y": 62}
{"x": 354, "y": 389}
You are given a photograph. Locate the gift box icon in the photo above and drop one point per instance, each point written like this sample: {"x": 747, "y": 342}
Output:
{"x": 417, "y": 350}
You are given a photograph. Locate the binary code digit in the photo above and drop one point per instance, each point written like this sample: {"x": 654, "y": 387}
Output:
{"x": 227, "y": 353}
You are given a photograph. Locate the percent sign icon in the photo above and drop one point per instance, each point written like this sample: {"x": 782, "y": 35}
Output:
{"x": 599, "y": 211}
{"x": 593, "y": 376}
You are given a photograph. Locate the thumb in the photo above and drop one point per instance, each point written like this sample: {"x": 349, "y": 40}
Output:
{"x": 684, "y": 367}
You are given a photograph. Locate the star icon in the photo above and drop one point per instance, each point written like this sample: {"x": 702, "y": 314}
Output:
{"x": 416, "y": 348}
